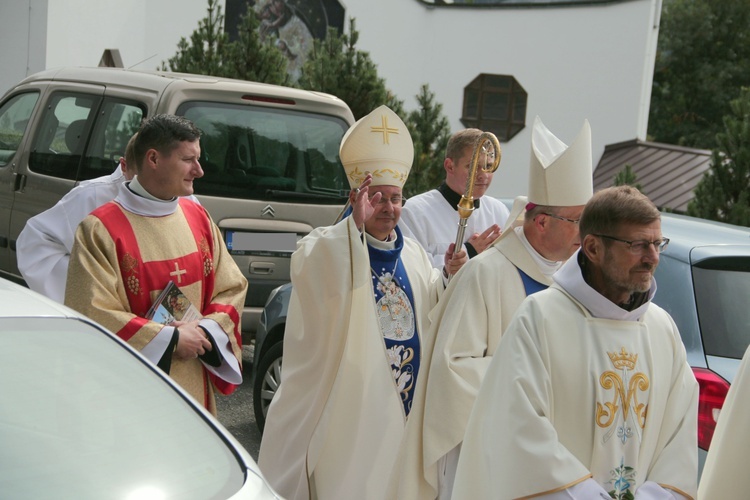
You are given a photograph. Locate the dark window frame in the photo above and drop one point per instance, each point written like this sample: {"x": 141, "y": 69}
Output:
{"x": 495, "y": 103}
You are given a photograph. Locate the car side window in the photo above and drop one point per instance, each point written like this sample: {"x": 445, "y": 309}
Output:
{"x": 61, "y": 136}
{"x": 14, "y": 119}
{"x": 115, "y": 124}
{"x": 82, "y": 136}
{"x": 263, "y": 153}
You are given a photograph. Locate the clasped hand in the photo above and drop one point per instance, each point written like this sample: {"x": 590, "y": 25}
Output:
{"x": 192, "y": 342}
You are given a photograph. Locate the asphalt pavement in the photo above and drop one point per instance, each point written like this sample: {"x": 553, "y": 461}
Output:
{"x": 236, "y": 411}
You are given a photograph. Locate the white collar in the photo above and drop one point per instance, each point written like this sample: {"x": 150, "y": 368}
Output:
{"x": 570, "y": 279}
{"x": 546, "y": 267}
{"x": 134, "y": 198}
{"x": 389, "y": 244}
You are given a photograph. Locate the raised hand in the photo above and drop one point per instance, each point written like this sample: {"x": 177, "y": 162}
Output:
{"x": 480, "y": 241}
{"x": 362, "y": 206}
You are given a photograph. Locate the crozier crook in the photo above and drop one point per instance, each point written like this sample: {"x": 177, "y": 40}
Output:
{"x": 466, "y": 205}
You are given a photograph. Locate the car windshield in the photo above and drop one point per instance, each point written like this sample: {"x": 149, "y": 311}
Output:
{"x": 82, "y": 417}
{"x": 253, "y": 152}
{"x": 722, "y": 287}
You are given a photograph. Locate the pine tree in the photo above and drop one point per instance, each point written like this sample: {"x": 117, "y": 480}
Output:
{"x": 430, "y": 132}
{"x": 249, "y": 58}
{"x": 209, "y": 51}
{"x": 722, "y": 193}
{"x": 702, "y": 60}
{"x": 335, "y": 66}
{"x": 202, "y": 55}
{"x": 626, "y": 177}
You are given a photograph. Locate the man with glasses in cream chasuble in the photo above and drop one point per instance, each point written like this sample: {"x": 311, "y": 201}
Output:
{"x": 589, "y": 394}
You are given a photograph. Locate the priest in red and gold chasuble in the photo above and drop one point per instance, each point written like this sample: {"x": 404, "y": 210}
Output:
{"x": 124, "y": 255}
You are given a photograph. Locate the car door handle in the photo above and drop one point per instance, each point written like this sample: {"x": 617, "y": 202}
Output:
{"x": 261, "y": 268}
{"x": 20, "y": 183}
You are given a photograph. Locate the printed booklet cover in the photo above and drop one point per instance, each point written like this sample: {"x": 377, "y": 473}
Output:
{"x": 172, "y": 305}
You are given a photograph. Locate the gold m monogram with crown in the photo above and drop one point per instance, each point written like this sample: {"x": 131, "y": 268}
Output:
{"x": 626, "y": 386}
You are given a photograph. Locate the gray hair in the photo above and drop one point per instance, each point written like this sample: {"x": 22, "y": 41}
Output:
{"x": 612, "y": 207}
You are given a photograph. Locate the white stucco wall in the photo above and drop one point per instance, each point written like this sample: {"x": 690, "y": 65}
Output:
{"x": 145, "y": 31}
{"x": 593, "y": 62}
{"x": 23, "y": 24}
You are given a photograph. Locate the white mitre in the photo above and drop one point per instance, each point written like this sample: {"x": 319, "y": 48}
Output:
{"x": 559, "y": 176}
{"x": 379, "y": 144}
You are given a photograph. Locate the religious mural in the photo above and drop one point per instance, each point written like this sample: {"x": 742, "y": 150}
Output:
{"x": 291, "y": 25}
{"x": 516, "y": 3}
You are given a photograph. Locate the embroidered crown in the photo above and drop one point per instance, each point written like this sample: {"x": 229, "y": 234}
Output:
{"x": 623, "y": 359}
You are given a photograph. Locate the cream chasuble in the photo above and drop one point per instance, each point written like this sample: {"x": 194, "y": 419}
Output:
{"x": 336, "y": 423}
{"x": 124, "y": 254}
{"x": 465, "y": 327}
{"x": 724, "y": 474}
{"x": 569, "y": 396}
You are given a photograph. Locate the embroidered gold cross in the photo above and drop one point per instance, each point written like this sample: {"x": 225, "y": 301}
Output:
{"x": 385, "y": 130}
{"x": 178, "y": 272}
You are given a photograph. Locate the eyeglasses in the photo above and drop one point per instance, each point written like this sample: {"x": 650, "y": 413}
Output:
{"x": 395, "y": 200}
{"x": 640, "y": 246}
{"x": 574, "y": 221}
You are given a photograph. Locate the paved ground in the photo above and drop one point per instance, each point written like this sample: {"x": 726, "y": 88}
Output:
{"x": 236, "y": 411}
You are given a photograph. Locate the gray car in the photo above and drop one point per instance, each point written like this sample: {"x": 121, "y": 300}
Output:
{"x": 703, "y": 282}
{"x": 269, "y": 155}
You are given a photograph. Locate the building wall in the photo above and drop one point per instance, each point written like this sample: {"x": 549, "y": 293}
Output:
{"x": 589, "y": 62}
{"x": 23, "y": 24}
{"x": 146, "y": 32}
{"x": 575, "y": 63}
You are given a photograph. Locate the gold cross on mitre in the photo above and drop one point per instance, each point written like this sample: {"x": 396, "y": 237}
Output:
{"x": 385, "y": 130}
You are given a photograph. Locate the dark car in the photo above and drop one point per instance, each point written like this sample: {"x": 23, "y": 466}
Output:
{"x": 269, "y": 350}
{"x": 703, "y": 282}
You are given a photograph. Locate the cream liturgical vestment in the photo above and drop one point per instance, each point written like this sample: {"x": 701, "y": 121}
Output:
{"x": 725, "y": 473}
{"x": 466, "y": 328}
{"x": 578, "y": 389}
{"x": 128, "y": 250}
{"x": 336, "y": 422}
{"x": 432, "y": 220}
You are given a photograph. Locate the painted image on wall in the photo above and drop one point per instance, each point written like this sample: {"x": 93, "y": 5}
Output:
{"x": 291, "y": 25}
{"x": 513, "y": 3}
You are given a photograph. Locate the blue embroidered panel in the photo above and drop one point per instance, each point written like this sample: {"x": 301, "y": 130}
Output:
{"x": 395, "y": 309}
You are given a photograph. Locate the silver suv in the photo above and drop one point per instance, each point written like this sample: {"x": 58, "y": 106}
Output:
{"x": 269, "y": 153}
{"x": 704, "y": 283}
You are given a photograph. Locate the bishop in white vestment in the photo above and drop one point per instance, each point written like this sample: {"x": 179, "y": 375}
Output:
{"x": 354, "y": 339}
{"x": 480, "y": 301}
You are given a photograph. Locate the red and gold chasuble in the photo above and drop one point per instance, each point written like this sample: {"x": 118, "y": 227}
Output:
{"x": 149, "y": 255}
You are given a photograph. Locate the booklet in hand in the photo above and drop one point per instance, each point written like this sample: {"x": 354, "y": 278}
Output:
{"x": 172, "y": 305}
